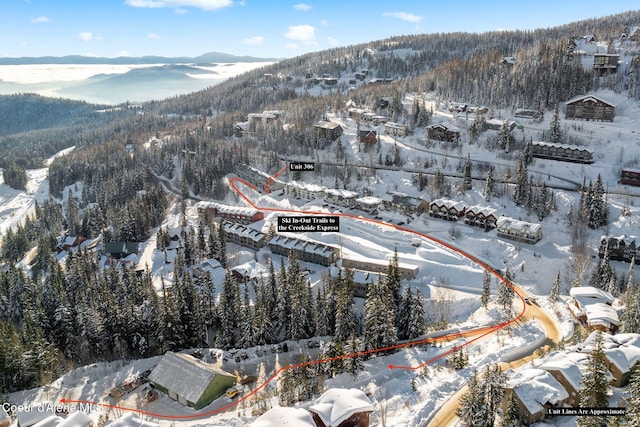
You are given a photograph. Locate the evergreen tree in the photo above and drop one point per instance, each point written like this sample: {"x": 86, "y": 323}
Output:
{"x": 555, "y": 131}
{"x": 467, "y": 183}
{"x": 596, "y": 387}
{"x": 379, "y": 319}
{"x": 472, "y": 403}
{"x": 489, "y": 184}
{"x": 345, "y": 309}
{"x": 632, "y": 397}
{"x": 486, "y": 288}
{"x": 554, "y": 294}
{"x": 505, "y": 294}
{"x": 417, "y": 322}
{"x": 521, "y": 191}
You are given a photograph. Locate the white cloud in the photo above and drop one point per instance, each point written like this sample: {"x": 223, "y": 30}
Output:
{"x": 178, "y": 4}
{"x": 255, "y": 40}
{"x": 404, "y": 16}
{"x": 301, "y": 33}
{"x": 302, "y": 7}
{"x": 41, "y": 20}
{"x": 154, "y": 36}
{"x": 85, "y": 36}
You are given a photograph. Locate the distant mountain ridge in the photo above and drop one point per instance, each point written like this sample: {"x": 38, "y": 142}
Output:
{"x": 207, "y": 58}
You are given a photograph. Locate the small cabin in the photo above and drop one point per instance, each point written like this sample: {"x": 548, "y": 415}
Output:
{"x": 443, "y": 132}
{"x": 606, "y": 63}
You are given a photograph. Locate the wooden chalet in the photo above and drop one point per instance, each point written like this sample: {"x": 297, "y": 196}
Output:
{"x": 496, "y": 124}
{"x": 567, "y": 368}
{"x": 447, "y": 209}
{"x": 340, "y": 197}
{"x": 561, "y": 152}
{"x": 403, "y": 203}
{"x": 622, "y": 352}
{"x": 590, "y": 107}
{"x": 481, "y": 216}
{"x": 329, "y": 131}
{"x": 367, "y": 136}
{"x": 67, "y": 243}
{"x": 630, "y": 176}
{"x": 443, "y": 132}
{"x": 356, "y": 113}
{"x": 606, "y": 63}
{"x": 591, "y": 307}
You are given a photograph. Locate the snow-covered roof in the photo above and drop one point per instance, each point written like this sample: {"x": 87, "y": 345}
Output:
{"x": 478, "y": 209}
{"x": 185, "y": 375}
{"x": 601, "y": 314}
{"x": 250, "y": 269}
{"x": 444, "y": 126}
{"x": 586, "y": 98}
{"x": 301, "y": 244}
{"x": 35, "y": 413}
{"x": 447, "y": 203}
{"x": 327, "y": 125}
{"x": 338, "y": 192}
{"x": 622, "y": 350}
{"x": 76, "y": 419}
{"x": 369, "y": 200}
{"x": 284, "y": 417}
{"x": 536, "y": 387}
{"x": 591, "y": 293}
{"x": 227, "y": 209}
{"x": 51, "y": 421}
{"x": 306, "y": 186}
{"x": 514, "y": 224}
{"x": 563, "y": 146}
{"x": 337, "y": 404}
{"x": 131, "y": 420}
{"x": 243, "y": 230}
{"x": 571, "y": 365}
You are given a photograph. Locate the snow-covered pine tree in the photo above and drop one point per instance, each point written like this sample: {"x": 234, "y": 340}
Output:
{"x": 467, "y": 183}
{"x": 417, "y": 322}
{"x": 554, "y": 294}
{"x": 632, "y": 397}
{"x": 555, "y": 131}
{"x": 595, "y": 385}
{"x": 472, "y": 403}
{"x": 486, "y": 288}
{"x": 345, "y": 309}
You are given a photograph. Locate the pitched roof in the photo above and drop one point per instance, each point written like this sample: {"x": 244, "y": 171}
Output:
{"x": 185, "y": 375}
{"x": 590, "y": 98}
{"x": 337, "y": 404}
{"x": 284, "y": 417}
{"x": 535, "y": 388}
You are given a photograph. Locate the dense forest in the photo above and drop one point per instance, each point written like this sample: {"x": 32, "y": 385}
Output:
{"x": 114, "y": 184}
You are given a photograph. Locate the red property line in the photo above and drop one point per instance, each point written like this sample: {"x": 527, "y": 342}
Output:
{"x": 479, "y": 332}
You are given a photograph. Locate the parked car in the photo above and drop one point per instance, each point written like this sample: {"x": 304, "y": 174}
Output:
{"x": 232, "y": 392}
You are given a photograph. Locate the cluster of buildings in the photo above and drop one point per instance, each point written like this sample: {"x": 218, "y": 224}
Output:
{"x": 619, "y": 249}
{"x": 486, "y": 218}
{"x": 556, "y": 380}
{"x": 592, "y": 307}
{"x": 562, "y": 152}
{"x": 336, "y": 407}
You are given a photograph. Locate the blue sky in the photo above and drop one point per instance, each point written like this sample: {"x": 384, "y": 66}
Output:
{"x": 263, "y": 28}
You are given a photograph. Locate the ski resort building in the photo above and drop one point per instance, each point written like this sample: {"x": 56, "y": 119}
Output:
{"x": 407, "y": 271}
{"x": 630, "y": 176}
{"x": 244, "y": 236}
{"x": 447, "y": 209}
{"x": 342, "y": 408}
{"x": 261, "y": 180}
{"x": 403, "y": 203}
{"x": 520, "y": 231}
{"x": 567, "y": 369}
{"x": 590, "y": 107}
{"x": 304, "y": 190}
{"x": 340, "y": 197}
{"x": 496, "y": 124}
{"x": 443, "y": 132}
{"x": 368, "y": 136}
{"x": 362, "y": 280}
{"x": 481, "y": 216}
{"x": 622, "y": 352}
{"x": 524, "y": 113}
{"x": 232, "y": 213}
{"x": 592, "y": 307}
{"x": 368, "y": 204}
{"x": 190, "y": 381}
{"x": 328, "y": 131}
{"x": 534, "y": 391}
{"x": 562, "y": 152}
{"x": 304, "y": 250}
{"x": 606, "y": 63}
{"x": 396, "y": 129}
{"x": 619, "y": 249}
